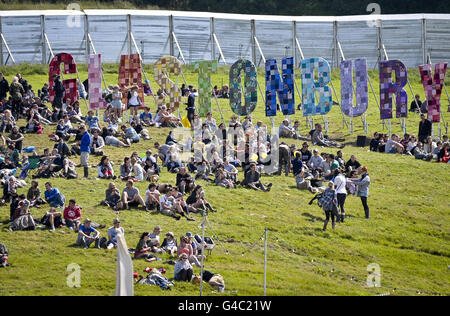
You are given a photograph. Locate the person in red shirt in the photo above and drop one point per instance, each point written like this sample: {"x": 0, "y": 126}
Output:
{"x": 72, "y": 215}
{"x": 444, "y": 154}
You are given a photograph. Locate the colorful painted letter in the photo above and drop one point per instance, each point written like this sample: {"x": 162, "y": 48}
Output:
{"x": 362, "y": 90}
{"x": 130, "y": 74}
{"x": 250, "y": 85}
{"x": 433, "y": 88}
{"x": 205, "y": 68}
{"x": 164, "y": 67}
{"x": 70, "y": 67}
{"x": 96, "y": 102}
{"x": 309, "y": 87}
{"x": 387, "y": 89}
{"x": 284, "y": 89}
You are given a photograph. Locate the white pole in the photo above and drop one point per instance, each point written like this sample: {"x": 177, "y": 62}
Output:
{"x": 203, "y": 251}
{"x": 351, "y": 125}
{"x": 366, "y": 127}
{"x": 390, "y": 130}
{"x": 265, "y": 261}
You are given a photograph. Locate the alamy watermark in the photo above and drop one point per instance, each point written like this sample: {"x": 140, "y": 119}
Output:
{"x": 374, "y": 277}
{"x": 73, "y": 19}
{"x": 374, "y": 8}
{"x": 237, "y": 145}
{"x": 74, "y": 278}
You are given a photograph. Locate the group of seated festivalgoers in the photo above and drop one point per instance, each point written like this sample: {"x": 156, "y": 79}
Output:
{"x": 422, "y": 147}
{"x": 117, "y": 150}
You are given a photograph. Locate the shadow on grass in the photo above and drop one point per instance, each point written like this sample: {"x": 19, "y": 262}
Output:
{"x": 313, "y": 218}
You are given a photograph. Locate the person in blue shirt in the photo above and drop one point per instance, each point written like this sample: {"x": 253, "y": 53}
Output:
{"x": 53, "y": 196}
{"x": 85, "y": 149}
{"x": 146, "y": 117}
{"x": 87, "y": 235}
{"x": 92, "y": 121}
{"x": 297, "y": 164}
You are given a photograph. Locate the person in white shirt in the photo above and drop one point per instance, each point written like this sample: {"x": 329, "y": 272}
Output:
{"x": 137, "y": 170}
{"x": 340, "y": 184}
{"x": 393, "y": 145}
{"x": 210, "y": 122}
{"x": 411, "y": 144}
{"x": 112, "y": 234}
{"x": 285, "y": 130}
{"x": 148, "y": 155}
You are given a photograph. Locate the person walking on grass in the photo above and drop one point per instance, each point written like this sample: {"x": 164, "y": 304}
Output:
{"x": 85, "y": 150}
{"x": 340, "y": 183}
{"x": 328, "y": 202}
{"x": 363, "y": 189}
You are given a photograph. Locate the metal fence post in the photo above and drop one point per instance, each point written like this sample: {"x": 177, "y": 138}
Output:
{"x": 43, "y": 48}
{"x": 86, "y": 37}
{"x": 213, "y": 46}
{"x": 253, "y": 42}
{"x": 171, "y": 30}
{"x": 424, "y": 40}
{"x": 379, "y": 41}
{"x": 129, "y": 34}
{"x": 335, "y": 45}
{"x": 294, "y": 36}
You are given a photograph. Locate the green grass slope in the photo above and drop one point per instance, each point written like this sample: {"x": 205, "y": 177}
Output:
{"x": 408, "y": 235}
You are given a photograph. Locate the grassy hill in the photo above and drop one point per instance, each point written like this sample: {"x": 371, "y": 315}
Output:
{"x": 408, "y": 235}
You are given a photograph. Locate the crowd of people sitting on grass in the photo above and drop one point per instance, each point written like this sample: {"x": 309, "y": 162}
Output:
{"x": 222, "y": 154}
{"x": 426, "y": 149}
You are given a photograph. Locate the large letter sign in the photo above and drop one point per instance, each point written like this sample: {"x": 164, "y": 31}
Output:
{"x": 387, "y": 89}
{"x": 250, "y": 86}
{"x": 284, "y": 89}
{"x": 433, "y": 88}
{"x": 205, "y": 68}
{"x": 309, "y": 87}
{"x": 70, "y": 67}
{"x": 362, "y": 90}
{"x": 165, "y": 66}
{"x": 130, "y": 73}
{"x": 96, "y": 102}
